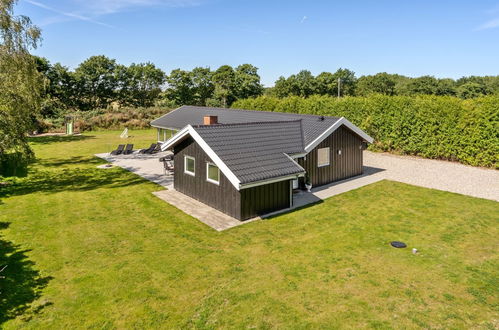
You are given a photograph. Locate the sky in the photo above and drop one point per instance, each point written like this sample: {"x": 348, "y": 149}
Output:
{"x": 446, "y": 39}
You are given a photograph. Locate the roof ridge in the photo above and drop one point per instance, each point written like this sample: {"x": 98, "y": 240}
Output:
{"x": 247, "y": 110}
{"x": 249, "y": 123}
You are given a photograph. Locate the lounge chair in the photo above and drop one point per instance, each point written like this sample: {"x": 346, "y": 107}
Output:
{"x": 128, "y": 149}
{"x": 156, "y": 149}
{"x": 119, "y": 150}
{"x": 147, "y": 150}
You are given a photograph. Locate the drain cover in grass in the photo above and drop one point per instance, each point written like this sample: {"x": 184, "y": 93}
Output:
{"x": 398, "y": 245}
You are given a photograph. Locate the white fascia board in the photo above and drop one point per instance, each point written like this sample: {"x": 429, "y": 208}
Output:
{"x": 189, "y": 130}
{"x": 176, "y": 138}
{"x": 295, "y": 156}
{"x": 334, "y": 127}
{"x": 281, "y": 178}
{"x": 214, "y": 157}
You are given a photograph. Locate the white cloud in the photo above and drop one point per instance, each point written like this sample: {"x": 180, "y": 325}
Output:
{"x": 105, "y": 7}
{"x": 489, "y": 25}
{"x": 66, "y": 15}
{"x": 90, "y": 10}
{"x": 303, "y": 19}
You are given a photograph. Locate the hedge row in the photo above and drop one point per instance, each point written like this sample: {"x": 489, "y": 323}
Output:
{"x": 439, "y": 127}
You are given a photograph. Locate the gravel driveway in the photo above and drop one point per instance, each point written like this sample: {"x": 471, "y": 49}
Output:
{"x": 436, "y": 174}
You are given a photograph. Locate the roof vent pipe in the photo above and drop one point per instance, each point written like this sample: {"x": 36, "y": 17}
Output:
{"x": 210, "y": 120}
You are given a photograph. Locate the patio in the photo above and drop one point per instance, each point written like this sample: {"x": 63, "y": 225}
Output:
{"x": 145, "y": 165}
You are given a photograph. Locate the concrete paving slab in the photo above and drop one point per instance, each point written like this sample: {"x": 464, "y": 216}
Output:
{"x": 147, "y": 166}
{"x": 206, "y": 214}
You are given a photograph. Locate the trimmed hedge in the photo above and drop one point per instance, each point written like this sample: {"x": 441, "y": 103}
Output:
{"x": 439, "y": 127}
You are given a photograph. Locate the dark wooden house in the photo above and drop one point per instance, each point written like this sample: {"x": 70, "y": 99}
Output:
{"x": 247, "y": 163}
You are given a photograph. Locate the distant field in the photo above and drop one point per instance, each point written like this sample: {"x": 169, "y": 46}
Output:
{"x": 92, "y": 248}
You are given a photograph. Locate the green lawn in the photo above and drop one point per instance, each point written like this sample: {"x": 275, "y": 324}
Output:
{"x": 92, "y": 248}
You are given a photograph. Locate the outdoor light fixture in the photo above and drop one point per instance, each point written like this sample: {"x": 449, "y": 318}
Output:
{"x": 339, "y": 151}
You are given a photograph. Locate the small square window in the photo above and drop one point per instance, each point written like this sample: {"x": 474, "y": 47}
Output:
{"x": 322, "y": 157}
{"x": 212, "y": 173}
{"x": 189, "y": 165}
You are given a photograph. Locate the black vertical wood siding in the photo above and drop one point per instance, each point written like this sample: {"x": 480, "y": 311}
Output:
{"x": 223, "y": 197}
{"x": 264, "y": 199}
{"x": 244, "y": 204}
{"x": 343, "y": 166}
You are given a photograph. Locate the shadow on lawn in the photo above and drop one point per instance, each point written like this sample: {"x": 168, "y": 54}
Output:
{"x": 58, "y": 138}
{"x": 20, "y": 283}
{"x": 69, "y": 179}
{"x": 77, "y": 160}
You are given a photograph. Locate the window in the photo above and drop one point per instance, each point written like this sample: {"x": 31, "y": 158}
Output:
{"x": 189, "y": 165}
{"x": 322, "y": 157}
{"x": 212, "y": 173}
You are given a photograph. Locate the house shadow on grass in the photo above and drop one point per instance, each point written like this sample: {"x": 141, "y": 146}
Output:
{"x": 20, "y": 283}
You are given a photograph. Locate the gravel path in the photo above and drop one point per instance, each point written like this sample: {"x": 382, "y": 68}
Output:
{"x": 436, "y": 174}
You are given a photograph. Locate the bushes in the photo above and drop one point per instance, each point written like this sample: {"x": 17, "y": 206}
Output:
{"x": 440, "y": 127}
{"x": 135, "y": 118}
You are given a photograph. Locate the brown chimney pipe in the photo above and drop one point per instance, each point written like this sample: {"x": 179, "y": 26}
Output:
{"x": 210, "y": 120}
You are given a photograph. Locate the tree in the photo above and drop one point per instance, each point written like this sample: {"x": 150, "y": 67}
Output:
{"x": 380, "y": 83}
{"x": 180, "y": 87}
{"x": 471, "y": 90}
{"x": 97, "y": 81}
{"x": 60, "y": 90}
{"x": 247, "y": 82}
{"x": 282, "y": 87}
{"x": 224, "y": 79}
{"x": 20, "y": 88}
{"x": 202, "y": 84}
{"x": 348, "y": 81}
{"x": 446, "y": 87}
{"x": 327, "y": 82}
{"x": 141, "y": 84}
{"x": 423, "y": 85}
{"x": 302, "y": 84}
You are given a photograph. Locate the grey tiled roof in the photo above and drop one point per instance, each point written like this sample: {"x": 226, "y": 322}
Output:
{"x": 313, "y": 126}
{"x": 256, "y": 151}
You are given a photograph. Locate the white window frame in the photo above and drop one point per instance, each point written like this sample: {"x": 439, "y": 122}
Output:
{"x": 328, "y": 157}
{"x": 207, "y": 173}
{"x": 185, "y": 165}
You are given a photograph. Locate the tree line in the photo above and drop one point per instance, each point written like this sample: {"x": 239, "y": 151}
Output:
{"x": 343, "y": 82}
{"x": 101, "y": 82}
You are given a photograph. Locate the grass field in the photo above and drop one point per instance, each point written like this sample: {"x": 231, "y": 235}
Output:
{"x": 92, "y": 248}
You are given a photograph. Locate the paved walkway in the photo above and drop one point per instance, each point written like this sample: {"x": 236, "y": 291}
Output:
{"x": 147, "y": 166}
{"x": 206, "y": 214}
{"x": 442, "y": 175}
